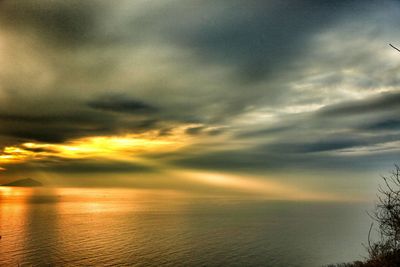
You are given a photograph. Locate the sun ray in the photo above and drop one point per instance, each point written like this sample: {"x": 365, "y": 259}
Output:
{"x": 123, "y": 147}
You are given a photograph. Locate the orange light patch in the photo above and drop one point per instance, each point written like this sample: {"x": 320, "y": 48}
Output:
{"x": 121, "y": 147}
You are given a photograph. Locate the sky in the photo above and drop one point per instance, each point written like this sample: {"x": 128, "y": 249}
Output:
{"x": 285, "y": 99}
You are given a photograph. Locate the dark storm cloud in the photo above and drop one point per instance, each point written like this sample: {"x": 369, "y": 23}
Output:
{"x": 224, "y": 65}
{"x": 123, "y": 104}
{"x": 385, "y": 102}
{"x": 41, "y": 135}
{"x": 61, "y": 132}
{"x": 215, "y": 132}
{"x": 55, "y": 127}
{"x": 265, "y": 132}
{"x": 264, "y": 161}
{"x": 331, "y": 143}
{"x": 50, "y": 118}
{"x": 62, "y": 165}
{"x": 254, "y": 39}
{"x": 40, "y": 150}
{"x": 261, "y": 37}
{"x": 199, "y": 130}
{"x": 315, "y": 140}
{"x": 385, "y": 124}
{"x": 256, "y": 36}
{"x": 59, "y": 21}
{"x": 320, "y": 146}
{"x": 97, "y": 166}
{"x": 52, "y": 134}
{"x": 195, "y": 130}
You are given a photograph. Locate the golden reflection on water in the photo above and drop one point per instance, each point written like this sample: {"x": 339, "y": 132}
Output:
{"x": 65, "y": 224}
{"x": 127, "y": 227}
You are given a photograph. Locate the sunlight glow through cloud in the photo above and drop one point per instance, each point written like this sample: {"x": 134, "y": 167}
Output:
{"x": 125, "y": 146}
{"x": 151, "y": 86}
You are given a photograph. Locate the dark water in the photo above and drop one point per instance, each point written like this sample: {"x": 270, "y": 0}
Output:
{"x": 119, "y": 227}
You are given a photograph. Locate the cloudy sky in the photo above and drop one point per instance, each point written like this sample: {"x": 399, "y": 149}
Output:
{"x": 288, "y": 99}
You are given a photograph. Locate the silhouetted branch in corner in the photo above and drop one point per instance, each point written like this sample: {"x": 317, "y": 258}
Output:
{"x": 386, "y": 251}
{"x": 394, "y": 47}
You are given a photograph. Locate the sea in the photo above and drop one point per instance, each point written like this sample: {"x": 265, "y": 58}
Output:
{"x": 152, "y": 227}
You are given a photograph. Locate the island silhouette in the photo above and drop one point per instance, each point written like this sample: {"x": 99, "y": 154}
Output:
{"x": 27, "y": 182}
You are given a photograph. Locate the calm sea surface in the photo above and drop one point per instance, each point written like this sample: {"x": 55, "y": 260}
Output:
{"x": 122, "y": 227}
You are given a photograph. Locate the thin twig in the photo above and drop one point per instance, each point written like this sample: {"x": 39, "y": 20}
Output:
{"x": 394, "y": 47}
{"x": 369, "y": 236}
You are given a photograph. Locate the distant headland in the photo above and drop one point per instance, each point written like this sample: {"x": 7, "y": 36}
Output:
{"x": 27, "y": 182}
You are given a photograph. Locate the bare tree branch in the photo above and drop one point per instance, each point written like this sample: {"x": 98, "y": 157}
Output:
{"x": 394, "y": 47}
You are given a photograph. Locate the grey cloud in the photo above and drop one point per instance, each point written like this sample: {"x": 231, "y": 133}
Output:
{"x": 264, "y": 161}
{"x": 385, "y": 102}
{"x": 260, "y": 38}
{"x": 53, "y": 127}
{"x": 81, "y": 166}
{"x": 331, "y": 142}
{"x": 252, "y": 39}
{"x": 40, "y": 135}
{"x": 97, "y": 68}
{"x": 214, "y": 132}
{"x": 51, "y": 118}
{"x": 385, "y": 124}
{"x": 97, "y": 166}
{"x": 265, "y": 132}
{"x": 198, "y": 130}
{"x": 123, "y": 104}
{"x": 62, "y": 127}
{"x": 63, "y": 23}
{"x": 320, "y": 146}
{"x": 195, "y": 130}
{"x": 39, "y": 149}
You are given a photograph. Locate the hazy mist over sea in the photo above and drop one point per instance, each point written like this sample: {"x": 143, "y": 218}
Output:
{"x": 127, "y": 227}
